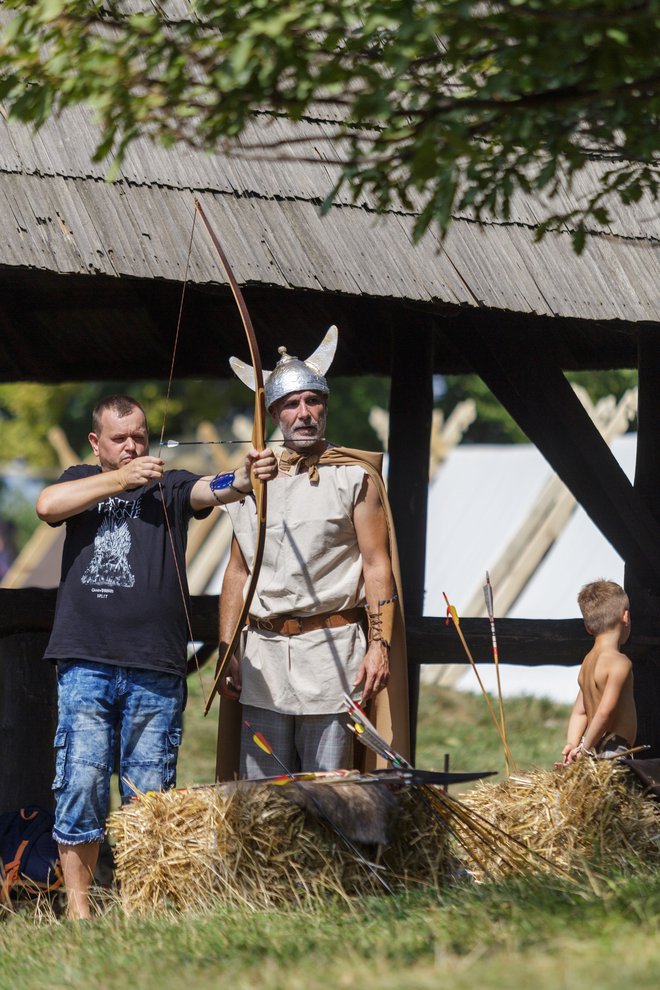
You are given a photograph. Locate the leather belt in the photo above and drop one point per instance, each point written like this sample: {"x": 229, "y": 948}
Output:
{"x": 287, "y": 625}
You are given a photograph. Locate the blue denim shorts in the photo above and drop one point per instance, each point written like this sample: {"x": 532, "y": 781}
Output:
{"x": 104, "y": 710}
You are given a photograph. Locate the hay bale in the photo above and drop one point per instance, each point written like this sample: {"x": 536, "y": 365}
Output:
{"x": 252, "y": 845}
{"x": 589, "y": 814}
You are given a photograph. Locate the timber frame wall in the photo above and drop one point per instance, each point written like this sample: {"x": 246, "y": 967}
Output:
{"x": 525, "y": 375}
{"x": 530, "y": 384}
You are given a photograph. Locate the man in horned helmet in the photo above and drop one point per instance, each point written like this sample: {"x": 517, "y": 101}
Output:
{"x": 326, "y": 617}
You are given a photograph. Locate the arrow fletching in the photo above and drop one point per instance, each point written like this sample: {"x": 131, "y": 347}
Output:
{"x": 262, "y": 743}
{"x": 368, "y": 735}
{"x": 488, "y": 596}
{"x": 451, "y": 612}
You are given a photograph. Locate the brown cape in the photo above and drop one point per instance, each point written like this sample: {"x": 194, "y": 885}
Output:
{"x": 389, "y": 709}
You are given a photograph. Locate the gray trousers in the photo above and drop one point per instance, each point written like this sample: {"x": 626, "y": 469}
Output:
{"x": 301, "y": 743}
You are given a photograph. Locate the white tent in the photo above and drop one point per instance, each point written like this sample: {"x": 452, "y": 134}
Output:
{"x": 476, "y": 502}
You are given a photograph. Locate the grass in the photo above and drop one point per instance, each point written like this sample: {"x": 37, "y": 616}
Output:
{"x": 520, "y": 933}
{"x": 514, "y": 934}
{"x": 461, "y": 725}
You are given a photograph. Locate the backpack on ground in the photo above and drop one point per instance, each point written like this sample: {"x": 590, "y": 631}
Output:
{"x": 28, "y": 852}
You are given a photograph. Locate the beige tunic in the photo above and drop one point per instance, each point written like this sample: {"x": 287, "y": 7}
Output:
{"x": 311, "y": 564}
{"x": 389, "y": 709}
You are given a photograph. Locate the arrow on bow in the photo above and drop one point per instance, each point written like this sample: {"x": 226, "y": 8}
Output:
{"x": 258, "y": 442}
{"x": 210, "y": 443}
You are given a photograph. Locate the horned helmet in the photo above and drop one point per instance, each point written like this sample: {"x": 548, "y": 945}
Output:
{"x": 290, "y": 374}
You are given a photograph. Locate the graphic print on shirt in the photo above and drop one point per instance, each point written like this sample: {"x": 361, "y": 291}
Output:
{"x": 109, "y": 565}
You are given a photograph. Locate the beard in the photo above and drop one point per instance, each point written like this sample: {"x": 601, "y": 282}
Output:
{"x": 304, "y": 437}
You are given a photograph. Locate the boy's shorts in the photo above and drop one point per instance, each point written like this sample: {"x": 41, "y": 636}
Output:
{"x": 100, "y": 705}
{"x": 612, "y": 745}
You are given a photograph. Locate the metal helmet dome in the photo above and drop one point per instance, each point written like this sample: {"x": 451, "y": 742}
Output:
{"x": 290, "y": 374}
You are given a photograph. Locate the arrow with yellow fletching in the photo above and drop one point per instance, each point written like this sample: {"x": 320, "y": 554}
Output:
{"x": 260, "y": 740}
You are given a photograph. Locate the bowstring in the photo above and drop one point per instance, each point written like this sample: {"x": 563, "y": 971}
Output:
{"x": 162, "y": 434}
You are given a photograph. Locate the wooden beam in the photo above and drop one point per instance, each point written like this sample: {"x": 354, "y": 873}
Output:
{"x": 531, "y": 642}
{"x": 525, "y": 376}
{"x": 12, "y": 362}
{"x": 28, "y": 715}
{"x": 411, "y": 413}
{"x": 645, "y": 598}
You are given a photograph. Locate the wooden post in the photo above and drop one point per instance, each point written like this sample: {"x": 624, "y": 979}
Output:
{"x": 411, "y": 409}
{"x": 645, "y": 597}
{"x": 28, "y": 717}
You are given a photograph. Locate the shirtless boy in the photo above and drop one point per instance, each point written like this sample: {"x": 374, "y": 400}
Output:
{"x": 603, "y": 720}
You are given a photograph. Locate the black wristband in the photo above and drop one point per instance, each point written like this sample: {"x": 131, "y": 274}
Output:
{"x": 241, "y": 493}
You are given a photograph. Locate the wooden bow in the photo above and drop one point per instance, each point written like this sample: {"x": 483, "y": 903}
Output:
{"x": 258, "y": 442}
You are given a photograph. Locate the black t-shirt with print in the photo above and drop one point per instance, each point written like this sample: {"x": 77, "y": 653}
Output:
{"x": 119, "y": 599}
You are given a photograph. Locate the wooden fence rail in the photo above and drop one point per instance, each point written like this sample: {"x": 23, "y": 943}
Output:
{"x": 532, "y": 642}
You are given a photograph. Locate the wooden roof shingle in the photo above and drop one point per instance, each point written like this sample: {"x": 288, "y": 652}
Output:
{"x": 61, "y": 217}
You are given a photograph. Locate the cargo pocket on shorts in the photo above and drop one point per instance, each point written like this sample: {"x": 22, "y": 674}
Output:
{"x": 61, "y": 746}
{"x": 172, "y": 744}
